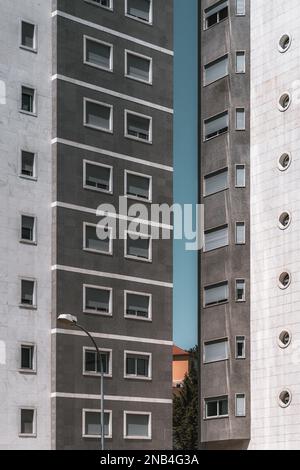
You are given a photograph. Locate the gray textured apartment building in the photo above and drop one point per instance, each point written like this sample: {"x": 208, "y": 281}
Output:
{"x": 85, "y": 117}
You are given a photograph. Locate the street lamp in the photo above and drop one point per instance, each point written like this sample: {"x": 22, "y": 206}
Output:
{"x": 72, "y": 320}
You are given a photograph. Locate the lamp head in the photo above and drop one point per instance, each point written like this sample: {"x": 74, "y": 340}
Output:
{"x": 67, "y": 319}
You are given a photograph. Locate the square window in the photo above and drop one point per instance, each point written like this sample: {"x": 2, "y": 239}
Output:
{"x": 240, "y": 176}
{"x": 139, "y": 10}
{"x": 27, "y": 357}
{"x": 92, "y": 365}
{"x": 98, "y": 54}
{"x": 28, "y": 231}
{"x": 28, "y": 164}
{"x": 138, "y": 67}
{"x": 92, "y": 423}
{"x": 97, "y": 300}
{"x": 138, "y": 186}
{"x": 138, "y": 305}
{"x": 240, "y": 63}
{"x": 137, "y": 365}
{"x": 98, "y": 239}
{"x": 216, "y": 407}
{"x": 97, "y": 177}
{"x": 27, "y": 424}
{"x": 240, "y": 290}
{"x": 28, "y": 35}
{"x": 28, "y": 100}
{"x": 137, "y": 425}
{"x": 240, "y": 122}
{"x": 28, "y": 294}
{"x": 240, "y": 233}
{"x": 138, "y": 127}
{"x": 98, "y": 115}
{"x": 138, "y": 247}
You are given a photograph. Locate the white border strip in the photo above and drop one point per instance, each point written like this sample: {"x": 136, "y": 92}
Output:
{"x": 112, "y": 215}
{"x": 83, "y": 396}
{"x": 120, "y": 156}
{"x": 111, "y": 31}
{"x": 121, "y": 277}
{"x": 161, "y": 342}
{"x": 111, "y": 92}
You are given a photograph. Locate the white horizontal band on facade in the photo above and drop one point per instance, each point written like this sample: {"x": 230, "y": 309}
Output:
{"x": 132, "y": 339}
{"x": 88, "y": 210}
{"x": 89, "y": 148}
{"x": 84, "y": 396}
{"x": 112, "y": 32}
{"x": 100, "y": 89}
{"x": 120, "y": 277}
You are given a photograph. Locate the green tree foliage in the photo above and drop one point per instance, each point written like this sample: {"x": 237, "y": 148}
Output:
{"x": 185, "y": 409}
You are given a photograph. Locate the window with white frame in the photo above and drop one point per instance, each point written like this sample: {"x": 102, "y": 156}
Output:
{"x": 240, "y": 233}
{"x": 28, "y": 229}
{"x": 240, "y": 7}
{"x": 28, "y": 293}
{"x": 216, "y": 125}
{"x": 240, "y": 176}
{"x": 216, "y": 13}
{"x": 216, "y": 238}
{"x": 240, "y": 347}
{"x": 28, "y": 164}
{"x": 27, "y": 422}
{"x": 216, "y": 407}
{"x": 138, "y": 305}
{"x": 137, "y": 365}
{"x": 97, "y": 300}
{"x": 215, "y": 351}
{"x": 98, "y": 53}
{"x": 240, "y": 62}
{"x": 102, "y": 3}
{"x": 137, "y": 425}
{"x": 138, "y": 246}
{"x": 138, "y": 186}
{"x": 97, "y": 176}
{"x": 216, "y": 69}
{"x": 138, "y": 67}
{"x": 240, "y": 290}
{"x": 216, "y": 294}
{"x": 240, "y": 119}
{"x": 91, "y": 423}
{"x": 240, "y": 404}
{"x": 216, "y": 182}
{"x": 139, "y": 10}
{"x": 92, "y": 364}
{"x": 28, "y": 359}
{"x": 98, "y": 115}
{"x": 138, "y": 127}
{"x": 98, "y": 238}
{"x": 28, "y": 100}
{"x": 28, "y": 36}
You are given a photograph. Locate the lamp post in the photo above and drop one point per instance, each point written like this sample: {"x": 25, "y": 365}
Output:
{"x": 72, "y": 320}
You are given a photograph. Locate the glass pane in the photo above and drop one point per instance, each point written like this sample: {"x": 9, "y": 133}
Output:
{"x": 142, "y": 366}
{"x": 216, "y": 351}
{"x": 105, "y": 363}
{"x": 216, "y": 239}
{"x": 98, "y": 176}
{"x": 27, "y": 228}
{"x": 240, "y": 7}
{"x": 240, "y": 233}
{"x": 95, "y": 243}
{"x": 27, "y": 292}
{"x": 137, "y": 305}
{"x": 216, "y": 125}
{"x": 98, "y": 54}
{"x": 98, "y": 115}
{"x": 240, "y": 119}
{"x": 240, "y": 405}
{"x": 27, "y": 417}
{"x": 240, "y": 290}
{"x": 28, "y": 35}
{"x": 27, "y": 99}
{"x": 216, "y": 182}
{"x": 240, "y": 176}
{"x": 216, "y": 70}
{"x": 137, "y": 425}
{"x": 138, "y": 186}
{"x": 240, "y": 62}
{"x": 216, "y": 8}
{"x": 138, "y": 126}
{"x": 211, "y": 409}
{"x": 138, "y": 248}
{"x": 138, "y": 67}
{"x": 130, "y": 365}
{"x": 223, "y": 407}
{"x": 27, "y": 163}
{"x": 26, "y": 357}
{"x": 216, "y": 294}
{"x": 93, "y": 423}
{"x": 139, "y": 8}
{"x": 90, "y": 361}
{"x": 97, "y": 300}
{"x": 240, "y": 346}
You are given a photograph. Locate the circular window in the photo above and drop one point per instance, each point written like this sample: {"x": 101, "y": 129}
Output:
{"x": 285, "y": 398}
{"x": 284, "y": 161}
{"x": 284, "y": 280}
{"x": 284, "y": 220}
{"x": 284, "y": 43}
{"x": 284, "y": 339}
{"x": 284, "y": 102}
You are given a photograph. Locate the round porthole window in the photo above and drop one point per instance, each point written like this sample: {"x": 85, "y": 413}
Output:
{"x": 284, "y": 220}
{"x": 284, "y": 280}
{"x": 284, "y": 102}
{"x": 284, "y": 161}
{"x": 284, "y": 339}
{"x": 285, "y": 398}
{"x": 284, "y": 42}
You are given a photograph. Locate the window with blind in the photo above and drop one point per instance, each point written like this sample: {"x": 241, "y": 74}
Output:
{"x": 215, "y": 182}
{"x": 240, "y": 119}
{"x": 240, "y": 404}
{"x": 216, "y": 238}
{"x": 97, "y": 177}
{"x": 138, "y": 248}
{"x": 92, "y": 423}
{"x": 216, "y": 69}
{"x": 240, "y": 62}
{"x": 216, "y": 13}
{"x": 215, "y": 351}
{"x": 97, "y": 300}
{"x": 216, "y": 294}
{"x": 240, "y": 176}
{"x": 97, "y": 239}
{"x": 138, "y": 186}
{"x": 240, "y": 233}
{"x": 240, "y": 7}
{"x": 97, "y": 53}
{"x": 137, "y": 425}
{"x": 216, "y": 125}
{"x": 138, "y": 305}
{"x": 98, "y": 115}
{"x": 138, "y": 127}
{"x": 28, "y": 166}
{"x": 139, "y": 10}
{"x": 138, "y": 67}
